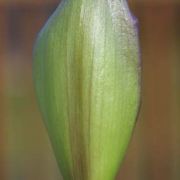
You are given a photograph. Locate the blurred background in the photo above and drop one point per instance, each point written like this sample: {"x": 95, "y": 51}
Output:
{"x": 154, "y": 152}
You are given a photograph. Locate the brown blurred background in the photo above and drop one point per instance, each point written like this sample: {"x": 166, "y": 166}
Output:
{"x": 154, "y": 153}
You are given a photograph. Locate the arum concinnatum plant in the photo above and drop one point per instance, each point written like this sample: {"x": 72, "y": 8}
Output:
{"x": 86, "y": 73}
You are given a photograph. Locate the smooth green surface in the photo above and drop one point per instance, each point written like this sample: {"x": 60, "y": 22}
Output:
{"x": 86, "y": 72}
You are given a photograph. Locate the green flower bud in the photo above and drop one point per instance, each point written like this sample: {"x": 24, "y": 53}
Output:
{"x": 86, "y": 73}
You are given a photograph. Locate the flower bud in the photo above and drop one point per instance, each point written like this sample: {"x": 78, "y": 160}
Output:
{"x": 86, "y": 73}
